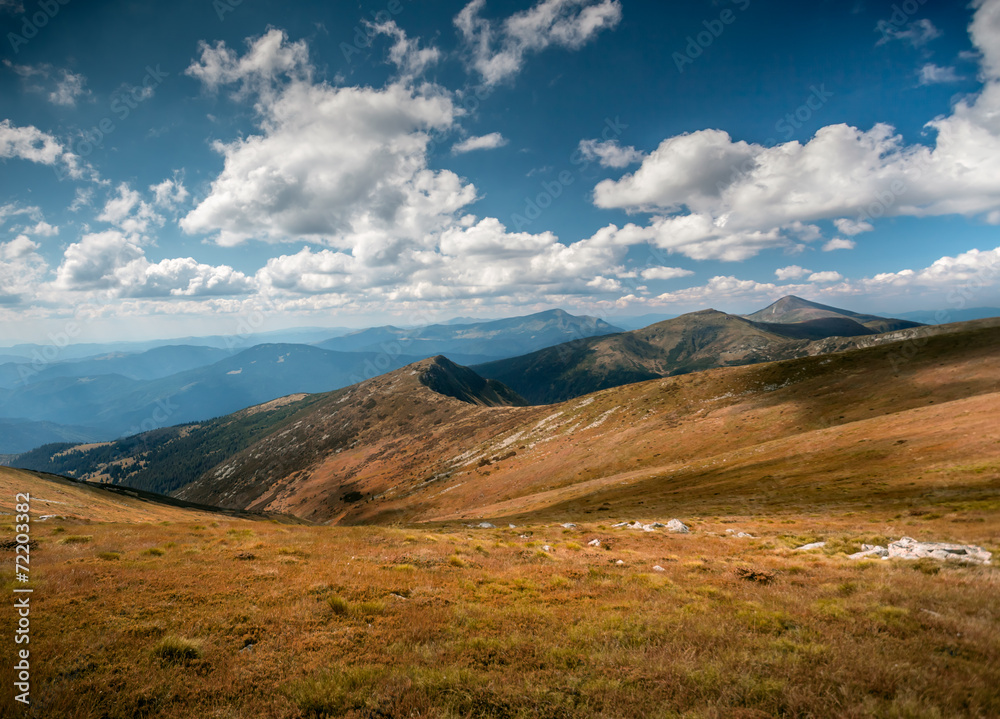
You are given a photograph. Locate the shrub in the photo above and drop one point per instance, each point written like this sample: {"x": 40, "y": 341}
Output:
{"x": 154, "y": 552}
{"x": 173, "y": 649}
{"x": 76, "y": 539}
{"x": 338, "y": 605}
{"x": 109, "y": 556}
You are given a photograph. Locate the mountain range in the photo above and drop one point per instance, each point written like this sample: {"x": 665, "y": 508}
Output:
{"x": 106, "y": 396}
{"x": 435, "y": 441}
{"x": 794, "y": 327}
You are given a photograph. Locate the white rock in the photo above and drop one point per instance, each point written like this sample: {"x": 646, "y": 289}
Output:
{"x": 619, "y": 562}
{"x": 568, "y": 525}
{"x": 512, "y": 526}
{"x": 546, "y": 548}
{"x": 620, "y": 524}
{"x": 739, "y": 535}
{"x": 486, "y": 525}
{"x": 868, "y": 550}
{"x": 907, "y": 548}
{"x": 594, "y": 543}
{"x": 677, "y": 526}
{"x": 807, "y": 547}
{"x": 658, "y": 568}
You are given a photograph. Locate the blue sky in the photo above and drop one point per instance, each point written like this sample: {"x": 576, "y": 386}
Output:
{"x": 167, "y": 171}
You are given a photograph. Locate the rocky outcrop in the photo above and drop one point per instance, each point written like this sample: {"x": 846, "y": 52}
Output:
{"x": 908, "y": 548}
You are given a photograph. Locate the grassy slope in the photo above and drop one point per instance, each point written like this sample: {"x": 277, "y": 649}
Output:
{"x": 285, "y": 622}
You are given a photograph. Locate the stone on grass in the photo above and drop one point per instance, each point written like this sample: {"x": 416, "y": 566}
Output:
{"x": 677, "y": 527}
{"x": 658, "y": 568}
{"x": 486, "y": 525}
{"x": 872, "y": 551}
{"x": 619, "y": 562}
{"x": 569, "y": 525}
{"x": 546, "y": 548}
{"x": 807, "y": 547}
{"x": 594, "y": 543}
{"x": 907, "y": 548}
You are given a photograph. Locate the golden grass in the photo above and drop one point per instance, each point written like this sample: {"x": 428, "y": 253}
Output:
{"x": 322, "y": 622}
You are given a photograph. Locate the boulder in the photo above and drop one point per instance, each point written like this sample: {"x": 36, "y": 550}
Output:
{"x": 807, "y": 547}
{"x": 486, "y": 525}
{"x": 569, "y": 525}
{"x": 658, "y": 568}
{"x": 870, "y": 550}
{"x": 594, "y": 543}
{"x": 677, "y": 527}
{"x": 739, "y": 535}
{"x": 907, "y": 548}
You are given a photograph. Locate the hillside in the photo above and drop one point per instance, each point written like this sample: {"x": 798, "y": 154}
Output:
{"x": 689, "y": 343}
{"x": 395, "y": 449}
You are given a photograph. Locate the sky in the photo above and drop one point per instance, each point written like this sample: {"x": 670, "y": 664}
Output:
{"x": 221, "y": 166}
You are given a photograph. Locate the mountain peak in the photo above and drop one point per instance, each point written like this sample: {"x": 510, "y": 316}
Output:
{"x": 439, "y": 374}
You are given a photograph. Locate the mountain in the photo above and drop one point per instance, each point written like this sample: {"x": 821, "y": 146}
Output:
{"x": 792, "y": 309}
{"x": 850, "y": 428}
{"x": 637, "y": 323}
{"x": 689, "y": 343}
{"x": 110, "y": 405}
{"x": 478, "y": 341}
{"x": 148, "y": 365}
{"x": 946, "y": 316}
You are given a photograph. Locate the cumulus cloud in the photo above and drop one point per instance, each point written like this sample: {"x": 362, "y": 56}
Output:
{"x": 715, "y": 197}
{"x": 267, "y": 59}
{"x": 128, "y": 211}
{"x": 665, "y": 273}
{"x": 21, "y": 270}
{"x": 406, "y": 53}
{"x": 169, "y": 194}
{"x": 484, "y": 142}
{"x": 31, "y": 144}
{"x": 115, "y": 262}
{"x": 476, "y": 260}
{"x": 828, "y": 276}
{"x": 609, "y": 153}
{"x": 931, "y": 74}
{"x": 792, "y": 272}
{"x": 498, "y": 50}
{"x": 838, "y": 243}
{"x": 853, "y": 227}
{"x": 343, "y": 166}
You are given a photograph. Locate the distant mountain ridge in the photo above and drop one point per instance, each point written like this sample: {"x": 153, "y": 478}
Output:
{"x": 689, "y": 343}
{"x": 489, "y": 339}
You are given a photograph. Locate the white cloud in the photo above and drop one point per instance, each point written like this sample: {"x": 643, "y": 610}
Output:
{"x": 267, "y": 59}
{"x": 345, "y": 166}
{"x": 21, "y": 270}
{"x": 116, "y": 263}
{"x": 838, "y": 243}
{"x": 68, "y": 87}
{"x": 485, "y": 142}
{"x": 406, "y": 54}
{"x": 853, "y": 227}
{"x": 917, "y": 33}
{"x": 30, "y": 143}
{"x": 43, "y": 229}
{"x": 128, "y": 211}
{"x": 665, "y": 273}
{"x": 931, "y": 74}
{"x": 169, "y": 194}
{"x": 713, "y": 197}
{"x": 610, "y": 153}
{"x": 828, "y": 276}
{"x": 482, "y": 259}
{"x": 985, "y": 31}
{"x": 792, "y": 272}
{"x": 498, "y": 50}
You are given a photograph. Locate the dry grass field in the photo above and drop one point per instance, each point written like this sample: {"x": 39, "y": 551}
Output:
{"x": 147, "y": 611}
